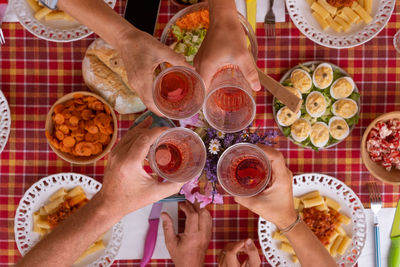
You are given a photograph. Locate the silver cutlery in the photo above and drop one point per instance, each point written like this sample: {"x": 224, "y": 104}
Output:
{"x": 269, "y": 21}
{"x": 2, "y": 40}
{"x": 376, "y": 205}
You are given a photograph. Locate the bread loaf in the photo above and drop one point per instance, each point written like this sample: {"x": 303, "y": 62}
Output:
{"x": 104, "y": 73}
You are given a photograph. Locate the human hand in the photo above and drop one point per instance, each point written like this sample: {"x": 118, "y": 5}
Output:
{"x": 188, "y": 248}
{"x": 141, "y": 54}
{"x": 126, "y": 185}
{"x": 225, "y": 44}
{"x": 228, "y": 256}
{"x": 274, "y": 204}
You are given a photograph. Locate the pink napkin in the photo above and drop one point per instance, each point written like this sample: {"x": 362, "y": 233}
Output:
{"x": 3, "y": 7}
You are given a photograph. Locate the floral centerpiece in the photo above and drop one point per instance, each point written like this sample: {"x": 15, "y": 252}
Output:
{"x": 216, "y": 143}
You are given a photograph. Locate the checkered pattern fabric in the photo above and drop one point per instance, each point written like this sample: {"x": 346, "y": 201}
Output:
{"x": 34, "y": 73}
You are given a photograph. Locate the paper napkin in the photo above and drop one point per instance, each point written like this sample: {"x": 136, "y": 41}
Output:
{"x": 135, "y": 230}
{"x": 385, "y": 217}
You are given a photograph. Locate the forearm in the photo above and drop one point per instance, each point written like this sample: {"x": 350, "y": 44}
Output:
{"x": 100, "y": 18}
{"x": 308, "y": 248}
{"x": 73, "y": 236}
{"x": 222, "y": 10}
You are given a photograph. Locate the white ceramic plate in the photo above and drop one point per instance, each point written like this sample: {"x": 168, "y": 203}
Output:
{"x": 53, "y": 30}
{"x": 5, "y": 121}
{"x": 38, "y": 194}
{"x": 300, "y": 13}
{"x": 338, "y": 191}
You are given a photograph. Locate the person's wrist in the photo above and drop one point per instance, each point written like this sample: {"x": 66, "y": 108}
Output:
{"x": 286, "y": 219}
{"x": 106, "y": 207}
{"x": 196, "y": 260}
{"x": 128, "y": 36}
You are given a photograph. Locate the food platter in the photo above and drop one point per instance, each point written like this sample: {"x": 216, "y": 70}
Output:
{"x": 328, "y": 113}
{"x": 39, "y": 193}
{"x": 332, "y": 188}
{"x": 5, "y": 121}
{"x": 52, "y": 30}
{"x": 300, "y": 13}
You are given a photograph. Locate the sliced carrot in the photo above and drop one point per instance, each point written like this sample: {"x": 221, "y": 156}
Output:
{"x": 87, "y": 114}
{"x": 60, "y": 135}
{"x": 58, "y": 118}
{"x": 59, "y": 108}
{"x": 64, "y": 128}
{"x": 69, "y": 141}
{"x": 78, "y": 95}
{"x": 74, "y": 120}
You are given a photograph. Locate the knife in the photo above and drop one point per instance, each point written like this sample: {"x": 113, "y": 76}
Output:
{"x": 394, "y": 255}
{"x": 151, "y": 237}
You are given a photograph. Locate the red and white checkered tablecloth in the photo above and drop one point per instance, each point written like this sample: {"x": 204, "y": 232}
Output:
{"x": 34, "y": 73}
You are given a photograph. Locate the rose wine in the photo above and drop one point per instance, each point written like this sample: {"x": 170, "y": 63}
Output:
{"x": 168, "y": 158}
{"x": 230, "y": 99}
{"x": 178, "y": 92}
{"x": 249, "y": 172}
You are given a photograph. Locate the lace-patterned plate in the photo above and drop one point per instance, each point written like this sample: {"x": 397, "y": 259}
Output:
{"x": 38, "y": 194}
{"x": 51, "y": 30}
{"x": 300, "y": 13}
{"x": 351, "y": 206}
{"x": 5, "y": 121}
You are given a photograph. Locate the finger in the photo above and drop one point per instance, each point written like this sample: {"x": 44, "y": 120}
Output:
{"x": 221, "y": 258}
{"x": 205, "y": 220}
{"x": 146, "y": 94}
{"x": 164, "y": 189}
{"x": 174, "y": 58}
{"x": 192, "y": 218}
{"x": 252, "y": 252}
{"x": 249, "y": 70}
{"x": 234, "y": 248}
{"x": 245, "y": 263}
{"x": 171, "y": 240}
{"x": 139, "y": 148}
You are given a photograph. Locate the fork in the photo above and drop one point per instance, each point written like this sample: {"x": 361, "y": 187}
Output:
{"x": 2, "y": 40}
{"x": 376, "y": 205}
{"x": 269, "y": 21}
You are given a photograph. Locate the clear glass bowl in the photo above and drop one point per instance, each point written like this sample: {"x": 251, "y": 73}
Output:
{"x": 168, "y": 39}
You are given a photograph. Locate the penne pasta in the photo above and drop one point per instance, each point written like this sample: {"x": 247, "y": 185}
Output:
{"x": 322, "y": 22}
{"x": 335, "y": 246}
{"x": 343, "y": 245}
{"x": 60, "y": 193}
{"x": 295, "y": 259}
{"x": 332, "y": 204}
{"x": 287, "y": 248}
{"x": 351, "y": 14}
{"x": 310, "y": 2}
{"x": 336, "y": 26}
{"x": 331, "y": 9}
{"x": 312, "y": 202}
{"x": 55, "y": 15}
{"x": 93, "y": 248}
{"x": 42, "y": 211}
{"x": 340, "y": 230}
{"x": 42, "y": 224}
{"x": 75, "y": 191}
{"x": 361, "y": 12}
{"x": 332, "y": 238}
{"x": 296, "y": 202}
{"x": 34, "y": 5}
{"x": 76, "y": 199}
{"x": 361, "y": 2}
{"x": 344, "y": 16}
{"x": 301, "y": 207}
{"x": 42, "y": 13}
{"x": 320, "y": 10}
{"x": 367, "y": 6}
{"x": 343, "y": 23}
{"x": 278, "y": 236}
{"x": 322, "y": 207}
{"x": 312, "y": 194}
{"x": 52, "y": 206}
{"x": 344, "y": 219}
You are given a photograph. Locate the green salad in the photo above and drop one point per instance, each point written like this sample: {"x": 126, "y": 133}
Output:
{"x": 329, "y": 103}
{"x": 188, "y": 41}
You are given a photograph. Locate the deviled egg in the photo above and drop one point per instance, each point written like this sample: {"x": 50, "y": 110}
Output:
{"x": 300, "y": 130}
{"x": 294, "y": 91}
{"x": 319, "y": 135}
{"x": 338, "y": 128}
{"x": 345, "y": 108}
{"x": 323, "y": 75}
{"x": 342, "y": 88}
{"x": 286, "y": 117}
{"x": 301, "y": 80}
{"x": 316, "y": 104}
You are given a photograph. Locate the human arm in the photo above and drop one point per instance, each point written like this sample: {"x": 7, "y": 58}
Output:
{"x": 126, "y": 188}
{"x": 271, "y": 206}
{"x": 141, "y": 53}
{"x": 193, "y": 242}
{"x": 225, "y": 44}
{"x": 228, "y": 256}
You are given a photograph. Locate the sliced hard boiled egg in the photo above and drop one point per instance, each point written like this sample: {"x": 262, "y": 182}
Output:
{"x": 301, "y": 80}
{"x": 323, "y": 75}
{"x": 300, "y": 130}
{"x": 338, "y": 128}
{"x": 342, "y": 88}
{"x": 345, "y": 108}
{"x": 319, "y": 135}
{"x": 286, "y": 117}
{"x": 315, "y": 104}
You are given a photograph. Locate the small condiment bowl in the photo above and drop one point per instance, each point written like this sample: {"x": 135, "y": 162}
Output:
{"x": 376, "y": 168}
{"x": 76, "y": 159}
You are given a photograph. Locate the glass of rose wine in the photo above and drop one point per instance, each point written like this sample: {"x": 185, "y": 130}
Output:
{"x": 178, "y": 92}
{"x": 243, "y": 170}
{"x": 229, "y": 107}
{"x": 178, "y": 155}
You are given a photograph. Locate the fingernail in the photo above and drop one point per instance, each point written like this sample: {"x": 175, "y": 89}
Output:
{"x": 257, "y": 87}
{"x": 249, "y": 242}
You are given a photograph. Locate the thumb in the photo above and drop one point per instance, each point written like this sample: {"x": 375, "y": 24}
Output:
{"x": 169, "y": 231}
{"x": 249, "y": 70}
{"x": 176, "y": 59}
{"x": 165, "y": 189}
{"x": 252, "y": 252}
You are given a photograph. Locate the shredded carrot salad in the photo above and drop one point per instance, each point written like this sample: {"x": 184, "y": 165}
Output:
{"x": 195, "y": 20}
